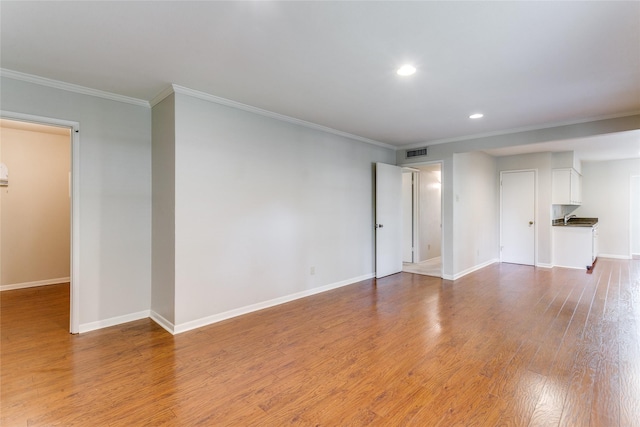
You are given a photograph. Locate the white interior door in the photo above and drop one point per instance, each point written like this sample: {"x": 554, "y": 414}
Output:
{"x": 517, "y": 217}
{"x": 388, "y": 219}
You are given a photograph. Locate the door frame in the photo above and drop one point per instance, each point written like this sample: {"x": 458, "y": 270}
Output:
{"x": 415, "y": 167}
{"x": 74, "y": 284}
{"x": 415, "y": 183}
{"x": 632, "y": 229}
{"x": 535, "y": 211}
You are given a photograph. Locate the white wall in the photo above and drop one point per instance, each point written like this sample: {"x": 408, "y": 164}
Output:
{"x": 163, "y": 215}
{"x": 259, "y": 202}
{"x": 635, "y": 215}
{"x": 565, "y": 159}
{"x": 475, "y": 214}
{"x": 542, "y": 162}
{"x": 34, "y": 230}
{"x": 115, "y": 195}
{"x": 606, "y": 195}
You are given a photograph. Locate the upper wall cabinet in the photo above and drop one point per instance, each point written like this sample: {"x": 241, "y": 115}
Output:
{"x": 566, "y": 187}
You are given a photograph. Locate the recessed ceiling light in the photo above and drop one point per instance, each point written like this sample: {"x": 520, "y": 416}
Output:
{"x": 406, "y": 70}
{"x": 476, "y": 116}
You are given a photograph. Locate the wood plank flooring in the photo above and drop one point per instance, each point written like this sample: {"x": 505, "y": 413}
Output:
{"x": 506, "y": 345}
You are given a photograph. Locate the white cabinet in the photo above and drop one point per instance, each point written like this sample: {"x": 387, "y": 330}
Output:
{"x": 566, "y": 187}
{"x": 575, "y": 247}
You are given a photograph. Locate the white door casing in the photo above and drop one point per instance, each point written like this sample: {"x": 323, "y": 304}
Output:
{"x": 517, "y": 217}
{"x": 634, "y": 226}
{"x": 388, "y": 219}
{"x": 408, "y": 253}
{"x": 74, "y": 297}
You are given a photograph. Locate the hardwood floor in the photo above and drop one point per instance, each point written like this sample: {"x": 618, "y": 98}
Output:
{"x": 507, "y": 345}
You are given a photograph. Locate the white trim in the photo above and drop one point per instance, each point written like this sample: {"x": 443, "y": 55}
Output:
{"x": 113, "y": 321}
{"x": 544, "y": 265}
{"x": 255, "y": 110}
{"x": 162, "y": 95}
{"x": 43, "y": 81}
{"x": 415, "y": 215}
{"x": 163, "y": 322}
{"x": 74, "y": 316}
{"x": 613, "y": 256}
{"x": 198, "y": 323}
{"x": 470, "y": 270}
{"x": 74, "y": 309}
{"x": 45, "y": 282}
{"x": 631, "y": 212}
{"x": 515, "y": 130}
{"x": 573, "y": 267}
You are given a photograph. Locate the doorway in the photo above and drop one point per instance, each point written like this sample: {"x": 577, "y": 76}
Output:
{"x": 422, "y": 220}
{"x": 39, "y": 205}
{"x": 517, "y": 217}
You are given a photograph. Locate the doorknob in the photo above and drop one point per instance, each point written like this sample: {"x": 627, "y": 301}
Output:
{"x": 379, "y": 226}
{"x": 530, "y": 223}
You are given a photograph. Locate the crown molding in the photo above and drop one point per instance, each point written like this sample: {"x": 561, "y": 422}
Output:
{"x": 56, "y": 84}
{"x": 162, "y": 95}
{"x": 281, "y": 117}
{"x": 516, "y": 130}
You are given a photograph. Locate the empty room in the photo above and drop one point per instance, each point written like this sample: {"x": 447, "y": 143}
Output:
{"x": 319, "y": 213}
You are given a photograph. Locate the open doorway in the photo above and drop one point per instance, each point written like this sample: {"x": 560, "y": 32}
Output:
{"x": 422, "y": 220}
{"x": 36, "y": 205}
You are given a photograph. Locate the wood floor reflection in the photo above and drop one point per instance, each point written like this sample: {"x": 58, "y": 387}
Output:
{"x": 506, "y": 345}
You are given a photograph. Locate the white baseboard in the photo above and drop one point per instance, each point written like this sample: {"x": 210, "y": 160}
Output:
{"x": 470, "y": 270}
{"x": 635, "y": 256}
{"x": 163, "y": 322}
{"x": 35, "y": 284}
{"x": 540, "y": 265}
{"x": 198, "y": 323}
{"x": 113, "y": 321}
{"x": 572, "y": 267}
{"x": 614, "y": 256}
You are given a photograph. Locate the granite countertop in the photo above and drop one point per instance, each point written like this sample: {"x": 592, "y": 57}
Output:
{"x": 575, "y": 222}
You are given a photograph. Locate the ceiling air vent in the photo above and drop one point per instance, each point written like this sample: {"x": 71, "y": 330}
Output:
{"x": 418, "y": 152}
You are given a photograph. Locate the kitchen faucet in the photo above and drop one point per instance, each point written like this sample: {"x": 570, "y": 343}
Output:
{"x": 567, "y": 218}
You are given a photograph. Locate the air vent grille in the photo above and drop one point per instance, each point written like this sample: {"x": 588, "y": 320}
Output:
{"x": 418, "y": 152}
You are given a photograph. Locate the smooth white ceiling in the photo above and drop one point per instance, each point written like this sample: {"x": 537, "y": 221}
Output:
{"x": 523, "y": 64}
{"x": 613, "y": 146}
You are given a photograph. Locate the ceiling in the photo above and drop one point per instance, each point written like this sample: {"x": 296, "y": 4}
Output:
{"x": 613, "y": 146}
{"x": 522, "y": 64}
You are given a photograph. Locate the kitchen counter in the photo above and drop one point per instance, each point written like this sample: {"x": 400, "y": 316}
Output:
{"x": 575, "y": 245}
{"x": 575, "y": 222}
